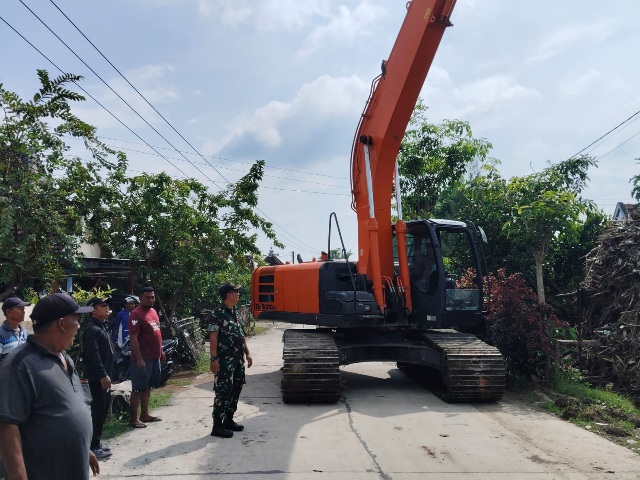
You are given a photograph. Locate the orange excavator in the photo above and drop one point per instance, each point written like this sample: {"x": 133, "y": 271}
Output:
{"x": 417, "y": 286}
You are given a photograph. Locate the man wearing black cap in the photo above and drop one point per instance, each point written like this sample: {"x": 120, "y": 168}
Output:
{"x": 12, "y": 333}
{"x": 97, "y": 354}
{"x": 45, "y": 423}
{"x": 228, "y": 346}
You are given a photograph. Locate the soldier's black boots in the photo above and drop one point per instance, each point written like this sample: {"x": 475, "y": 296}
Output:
{"x": 229, "y": 424}
{"x": 219, "y": 430}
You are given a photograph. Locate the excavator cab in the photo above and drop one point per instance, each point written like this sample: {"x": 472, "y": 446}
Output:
{"x": 444, "y": 272}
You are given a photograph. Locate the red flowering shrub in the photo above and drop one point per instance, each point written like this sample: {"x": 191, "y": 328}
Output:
{"x": 517, "y": 324}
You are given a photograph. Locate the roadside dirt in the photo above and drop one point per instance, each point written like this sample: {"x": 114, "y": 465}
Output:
{"x": 604, "y": 420}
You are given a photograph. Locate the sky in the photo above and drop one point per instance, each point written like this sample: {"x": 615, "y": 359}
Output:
{"x": 285, "y": 81}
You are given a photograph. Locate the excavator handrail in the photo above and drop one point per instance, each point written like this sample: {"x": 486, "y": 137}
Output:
{"x": 344, "y": 250}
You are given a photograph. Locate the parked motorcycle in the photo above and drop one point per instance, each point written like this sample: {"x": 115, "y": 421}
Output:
{"x": 123, "y": 361}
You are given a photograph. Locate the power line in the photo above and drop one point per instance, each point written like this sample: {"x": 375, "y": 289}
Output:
{"x": 236, "y": 161}
{"x": 614, "y": 128}
{"x": 292, "y": 240}
{"x": 147, "y": 101}
{"x": 112, "y": 90}
{"x": 237, "y": 170}
{"x": 141, "y": 117}
{"x": 615, "y": 148}
{"x": 618, "y": 132}
{"x": 131, "y": 85}
{"x": 91, "y": 96}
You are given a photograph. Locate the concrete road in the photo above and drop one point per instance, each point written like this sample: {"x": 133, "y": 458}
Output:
{"x": 386, "y": 427}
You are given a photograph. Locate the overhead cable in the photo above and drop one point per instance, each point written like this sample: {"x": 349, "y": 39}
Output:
{"x": 136, "y": 112}
{"x": 116, "y": 93}
{"x": 606, "y": 134}
{"x": 92, "y": 97}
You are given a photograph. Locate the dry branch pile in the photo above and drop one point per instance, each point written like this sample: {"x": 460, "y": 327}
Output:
{"x": 612, "y": 314}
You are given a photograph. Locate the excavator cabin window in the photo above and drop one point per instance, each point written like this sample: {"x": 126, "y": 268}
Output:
{"x": 423, "y": 267}
{"x": 443, "y": 268}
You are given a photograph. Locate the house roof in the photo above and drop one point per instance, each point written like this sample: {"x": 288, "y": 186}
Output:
{"x": 273, "y": 260}
{"x": 624, "y": 210}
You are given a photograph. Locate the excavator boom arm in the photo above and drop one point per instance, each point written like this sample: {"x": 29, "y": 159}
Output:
{"x": 382, "y": 127}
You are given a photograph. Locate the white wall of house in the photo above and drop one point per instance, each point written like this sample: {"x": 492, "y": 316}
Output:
{"x": 90, "y": 251}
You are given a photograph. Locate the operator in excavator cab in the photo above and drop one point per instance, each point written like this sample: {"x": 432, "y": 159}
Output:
{"x": 423, "y": 266}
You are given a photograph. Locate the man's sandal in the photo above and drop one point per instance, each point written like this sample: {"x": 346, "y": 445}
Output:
{"x": 137, "y": 424}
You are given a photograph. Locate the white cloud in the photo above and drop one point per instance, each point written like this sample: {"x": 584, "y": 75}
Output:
{"x": 150, "y": 80}
{"x": 579, "y": 85}
{"x": 266, "y": 14}
{"x": 569, "y": 37}
{"x": 324, "y": 98}
{"x": 343, "y": 27}
{"x": 496, "y": 95}
{"x": 327, "y": 24}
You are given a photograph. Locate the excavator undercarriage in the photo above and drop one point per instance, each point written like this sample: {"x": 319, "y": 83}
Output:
{"x": 472, "y": 371}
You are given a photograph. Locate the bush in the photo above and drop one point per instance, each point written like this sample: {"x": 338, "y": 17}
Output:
{"x": 518, "y": 325}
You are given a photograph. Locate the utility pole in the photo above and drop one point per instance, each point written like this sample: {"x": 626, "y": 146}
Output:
{"x": 292, "y": 258}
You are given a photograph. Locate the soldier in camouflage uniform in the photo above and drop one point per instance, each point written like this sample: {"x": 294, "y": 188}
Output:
{"x": 228, "y": 347}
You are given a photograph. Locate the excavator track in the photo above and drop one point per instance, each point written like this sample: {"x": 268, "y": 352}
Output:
{"x": 311, "y": 371}
{"x": 472, "y": 371}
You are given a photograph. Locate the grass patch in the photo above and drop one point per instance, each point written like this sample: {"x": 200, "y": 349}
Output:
{"x": 566, "y": 384}
{"x": 159, "y": 399}
{"x": 202, "y": 363}
{"x": 601, "y": 411}
{"x": 258, "y": 329}
{"x": 114, "y": 427}
{"x": 179, "y": 382}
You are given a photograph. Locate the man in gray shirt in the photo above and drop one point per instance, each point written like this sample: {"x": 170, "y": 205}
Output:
{"x": 12, "y": 333}
{"x": 45, "y": 422}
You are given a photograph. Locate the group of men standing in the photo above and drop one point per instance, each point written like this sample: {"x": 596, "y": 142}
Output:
{"x": 46, "y": 429}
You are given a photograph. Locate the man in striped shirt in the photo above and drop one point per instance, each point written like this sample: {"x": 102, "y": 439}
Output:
{"x": 12, "y": 333}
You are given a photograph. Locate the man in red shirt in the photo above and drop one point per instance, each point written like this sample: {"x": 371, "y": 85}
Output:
{"x": 146, "y": 354}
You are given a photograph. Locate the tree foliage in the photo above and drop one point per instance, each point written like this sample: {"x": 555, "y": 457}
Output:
{"x": 182, "y": 233}
{"x": 512, "y": 214}
{"x": 181, "y": 237}
{"x": 635, "y": 180}
{"x": 543, "y": 206}
{"x": 566, "y": 265}
{"x": 338, "y": 253}
{"x": 43, "y": 188}
{"x": 432, "y": 159}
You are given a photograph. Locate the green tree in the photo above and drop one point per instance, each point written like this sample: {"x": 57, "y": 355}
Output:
{"x": 566, "y": 265}
{"x": 184, "y": 234}
{"x": 43, "y": 187}
{"x": 338, "y": 253}
{"x": 480, "y": 200}
{"x": 635, "y": 180}
{"x": 432, "y": 159}
{"x": 499, "y": 207}
{"x": 543, "y": 206}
